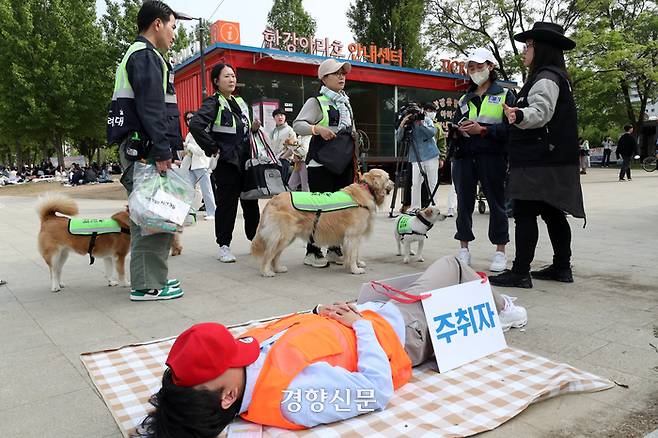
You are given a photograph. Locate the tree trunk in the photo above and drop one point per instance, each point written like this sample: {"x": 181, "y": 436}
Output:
{"x": 19, "y": 155}
{"x": 59, "y": 150}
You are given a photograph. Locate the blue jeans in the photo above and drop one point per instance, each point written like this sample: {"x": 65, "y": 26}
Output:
{"x": 202, "y": 177}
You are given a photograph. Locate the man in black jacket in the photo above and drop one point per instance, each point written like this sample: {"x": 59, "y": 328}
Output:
{"x": 626, "y": 149}
{"x": 144, "y": 120}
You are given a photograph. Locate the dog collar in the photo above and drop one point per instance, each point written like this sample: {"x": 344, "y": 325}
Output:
{"x": 363, "y": 183}
{"x": 424, "y": 221}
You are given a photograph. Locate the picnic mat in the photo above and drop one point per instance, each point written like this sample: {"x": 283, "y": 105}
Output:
{"x": 473, "y": 398}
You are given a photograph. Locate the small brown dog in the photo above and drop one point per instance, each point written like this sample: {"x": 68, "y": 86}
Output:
{"x": 281, "y": 223}
{"x": 55, "y": 241}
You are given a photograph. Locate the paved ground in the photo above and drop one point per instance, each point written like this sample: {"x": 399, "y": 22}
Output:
{"x": 604, "y": 323}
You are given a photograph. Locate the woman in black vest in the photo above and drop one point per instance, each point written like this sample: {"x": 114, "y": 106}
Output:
{"x": 544, "y": 177}
{"x": 221, "y": 126}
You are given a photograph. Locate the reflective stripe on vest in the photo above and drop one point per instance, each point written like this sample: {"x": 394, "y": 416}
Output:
{"x": 328, "y": 201}
{"x": 325, "y": 106}
{"x": 86, "y": 227}
{"x": 491, "y": 109}
{"x": 224, "y": 106}
{"x": 309, "y": 339}
{"x": 122, "y": 87}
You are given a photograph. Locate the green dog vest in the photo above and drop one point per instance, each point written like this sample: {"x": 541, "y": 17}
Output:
{"x": 404, "y": 225}
{"x": 87, "y": 227}
{"x": 322, "y": 202}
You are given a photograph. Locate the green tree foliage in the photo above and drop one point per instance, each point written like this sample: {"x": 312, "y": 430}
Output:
{"x": 182, "y": 40}
{"x": 194, "y": 35}
{"x": 119, "y": 24}
{"x": 290, "y": 16}
{"x": 458, "y": 26}
{"x": 391, "y": 24}
{"x": 52, "y": 63}
{"x": 617, "y": 54}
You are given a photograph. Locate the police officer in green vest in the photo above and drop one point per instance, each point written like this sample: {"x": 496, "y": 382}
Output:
{"x": 144, "y": 121}
{"x": 221, "y": 126}
{"x": 478, "y": 152}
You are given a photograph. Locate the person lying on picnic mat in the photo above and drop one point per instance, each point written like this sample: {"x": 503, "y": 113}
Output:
{"x": 338, "y": 362}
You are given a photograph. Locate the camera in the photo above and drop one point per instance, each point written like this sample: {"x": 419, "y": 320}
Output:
{"x": 413, "y": 110}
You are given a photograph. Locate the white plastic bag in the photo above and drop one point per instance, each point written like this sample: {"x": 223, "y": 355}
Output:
{"x": 159, "y": 203}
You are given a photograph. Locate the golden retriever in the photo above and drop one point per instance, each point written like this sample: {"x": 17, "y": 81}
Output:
{"x": 281, "y": 223}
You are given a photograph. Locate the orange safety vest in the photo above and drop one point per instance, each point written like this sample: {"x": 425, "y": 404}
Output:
{"x": 311, "y": 338}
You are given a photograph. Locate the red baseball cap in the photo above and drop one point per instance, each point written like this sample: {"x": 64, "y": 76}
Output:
{"x": 205, "y": 351}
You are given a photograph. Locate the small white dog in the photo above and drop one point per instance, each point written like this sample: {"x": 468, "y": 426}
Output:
{"x": 410, "y": 229}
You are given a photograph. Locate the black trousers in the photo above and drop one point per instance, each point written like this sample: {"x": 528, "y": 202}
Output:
{"x": 606, "y": 157}
{"x": 527, "y": 234}
{"x": 320, "y": 179}
{"x": 625, "y": 168}
{"x": 490, "y": 171}
{"x": 229, "y": 185}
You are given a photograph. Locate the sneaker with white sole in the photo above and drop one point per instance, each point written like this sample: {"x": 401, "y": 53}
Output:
{"x": 166, "y": 293}
{"x": 498, "y": 262}
{"x": 316, "y": 260}
{"x": 171, "y": 283}
{"x": 512, "y": 315}
{"x": 335, "y": 256}
{"x": 225, "y": 255}
{"x": 464, "y": 256}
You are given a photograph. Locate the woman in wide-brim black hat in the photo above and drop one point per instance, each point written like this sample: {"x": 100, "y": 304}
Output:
{"x": 544, "y": 177}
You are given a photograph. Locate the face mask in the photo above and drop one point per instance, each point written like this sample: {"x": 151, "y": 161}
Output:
{"x": 430, "y": 115}
{"x": 480, "y": 77}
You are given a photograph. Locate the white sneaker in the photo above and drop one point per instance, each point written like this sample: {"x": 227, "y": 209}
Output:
{"x": 464, "y": 256}
{"x": 335, "y": 257}
{"x": 498, "y": 262}
{"x": 316, "y": 260}
{"x": 512, "y": 315}
{"x": 209, "y": 218}
{"x": 225, "y": 255}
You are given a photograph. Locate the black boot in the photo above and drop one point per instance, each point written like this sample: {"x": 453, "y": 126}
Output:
{"x": 508, "y": 278}
{"x": 550, "y": 272}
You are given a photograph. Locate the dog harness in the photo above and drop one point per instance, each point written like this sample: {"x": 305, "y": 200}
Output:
{"x": 94, "y": 227}
{"x": 404, "y": 225}
{"x": 321, "y": 202}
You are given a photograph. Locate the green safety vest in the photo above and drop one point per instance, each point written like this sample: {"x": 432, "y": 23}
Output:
{"x": 87, "y": 227}
{"x": 122, "y": 87}
{"x": 491, "y": 110}
{"x": 403, "y": 227}
{"x": 325, "y": 105}
{"x": 224, "y": 106}
{"x": 324, "y": 202}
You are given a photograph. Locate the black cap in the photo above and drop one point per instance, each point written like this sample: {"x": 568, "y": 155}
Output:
{"x": 549, "y": 33}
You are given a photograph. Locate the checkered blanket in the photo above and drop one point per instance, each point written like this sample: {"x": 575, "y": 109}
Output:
{"x": 473, "y": 398}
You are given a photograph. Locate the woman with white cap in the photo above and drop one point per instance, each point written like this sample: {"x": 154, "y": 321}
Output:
{"x": 478, "y": 152}
{"x": 544, "y": 158}
{"x": 328, "y": 118}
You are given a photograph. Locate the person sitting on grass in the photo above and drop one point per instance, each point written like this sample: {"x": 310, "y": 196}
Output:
{"x": 339, "y": 350}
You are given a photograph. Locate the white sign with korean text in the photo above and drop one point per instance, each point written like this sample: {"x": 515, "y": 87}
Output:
{"x": 463, "y": 324}
{"x": 168, "y": 207}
